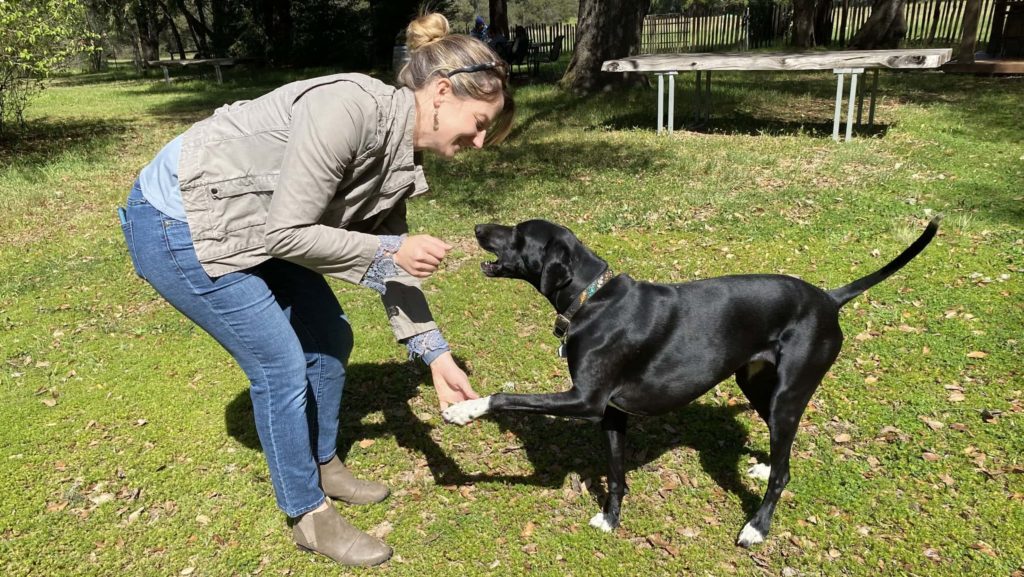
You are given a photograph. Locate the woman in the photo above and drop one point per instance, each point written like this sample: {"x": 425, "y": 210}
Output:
{"x": 235, "y": 222}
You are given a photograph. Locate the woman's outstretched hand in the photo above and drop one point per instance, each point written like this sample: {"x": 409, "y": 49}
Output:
{"x": 450, "y": 381}
{"x": 421, "y": 254}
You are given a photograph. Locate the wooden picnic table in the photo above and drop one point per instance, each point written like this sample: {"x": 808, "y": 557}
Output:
{"x": 852, "y": 62}
{"x": 215, "y": 62}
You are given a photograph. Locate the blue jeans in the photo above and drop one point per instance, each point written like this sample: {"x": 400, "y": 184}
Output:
{"x": 282, "y": 324}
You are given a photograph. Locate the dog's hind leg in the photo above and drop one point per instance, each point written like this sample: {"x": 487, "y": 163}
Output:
{"x": 801, "y": 368}
{"x": 758, "y": 380}
{"x": 614, "y": 426}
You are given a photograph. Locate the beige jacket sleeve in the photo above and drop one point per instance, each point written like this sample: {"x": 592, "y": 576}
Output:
{"x": 404, "y": 301}
{"x": 327, "y": 133}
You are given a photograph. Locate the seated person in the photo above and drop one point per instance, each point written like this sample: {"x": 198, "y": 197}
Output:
{"x": 499, "y": 42}
{"x": 479, "y": 30}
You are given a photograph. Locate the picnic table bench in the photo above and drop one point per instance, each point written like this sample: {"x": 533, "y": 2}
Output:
{"x": 215, "y": 62}
{"x": 852, "y": 62}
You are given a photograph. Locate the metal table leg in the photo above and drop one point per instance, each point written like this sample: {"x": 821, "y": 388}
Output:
{"x": 671, "y": 101}
{"x": 840, "y": 75}
{"x": 697, "y": 104}
{"x": 661, "y": 100}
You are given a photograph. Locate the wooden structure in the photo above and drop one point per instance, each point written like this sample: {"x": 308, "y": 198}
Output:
{"x": 217, "y": 63}
{"x": 852, "y": 62}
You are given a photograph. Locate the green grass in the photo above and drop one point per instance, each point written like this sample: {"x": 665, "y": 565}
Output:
{"x": 127, "y": 441}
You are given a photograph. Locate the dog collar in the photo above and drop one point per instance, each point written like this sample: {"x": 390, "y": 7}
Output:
{"x": 562, "y": 319}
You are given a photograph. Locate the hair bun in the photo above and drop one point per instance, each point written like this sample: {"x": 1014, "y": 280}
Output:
{"x": 426, "y": 29}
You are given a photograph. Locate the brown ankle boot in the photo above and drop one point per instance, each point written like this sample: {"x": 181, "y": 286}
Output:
{"x": 338, "y": 483}
{"x": 325, "y": 532}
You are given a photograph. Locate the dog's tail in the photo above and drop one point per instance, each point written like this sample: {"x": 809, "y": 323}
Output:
{"x": 845, "y": 294}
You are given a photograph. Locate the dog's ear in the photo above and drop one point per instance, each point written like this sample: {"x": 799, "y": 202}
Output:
{"x": 558, "y": 267}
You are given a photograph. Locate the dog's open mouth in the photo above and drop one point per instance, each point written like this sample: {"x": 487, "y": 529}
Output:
{"x": 490, "y": 268}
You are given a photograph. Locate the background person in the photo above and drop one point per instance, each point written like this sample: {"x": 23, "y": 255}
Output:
{"x": 479, "y": 30}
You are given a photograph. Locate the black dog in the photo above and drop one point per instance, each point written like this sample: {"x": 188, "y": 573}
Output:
{"x": 646, "y": 349}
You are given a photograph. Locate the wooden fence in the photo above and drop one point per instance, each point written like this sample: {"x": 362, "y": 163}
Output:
{"x": 929, "y": 22}
{"x": 737, "y": 27}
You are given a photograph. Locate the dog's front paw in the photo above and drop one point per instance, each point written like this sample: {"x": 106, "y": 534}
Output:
{"x": 749, "y": 536}
{"x": 604, "y": 522}
{"x": 466, "y": 411}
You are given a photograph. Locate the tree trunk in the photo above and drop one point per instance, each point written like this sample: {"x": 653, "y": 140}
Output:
{"x": 499, "y": 16}
{"x": 969, "y": 40}
{"x": 803, "y": 23}
{"x": 606, "y": 29}
{"x": 149, "y": 31}
{"x": 884, "y": 29}
{"x": 219, "y": 18}
{"x": 174, "y": 29}
{"x": 276, "y": 20}
{"x": 196, "y": 26}
{"x": 823, "y": 23}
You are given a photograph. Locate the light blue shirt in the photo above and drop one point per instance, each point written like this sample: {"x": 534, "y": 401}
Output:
{"x": 159, "y": 181}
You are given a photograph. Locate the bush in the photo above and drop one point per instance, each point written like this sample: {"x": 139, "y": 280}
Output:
{"x": 37, "y": 38}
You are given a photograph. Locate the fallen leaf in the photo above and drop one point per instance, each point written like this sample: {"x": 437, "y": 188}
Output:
{"x": 984, "y": 548}
{"x": 527, "y": 530}
{"x": 928, "y": 456}
{"x": 932, "y": 424}
{"x": 382, "y": 530}
{"x": 658, "y": 541}
{"x": 842, "y": 438}
{"x": 976, "y": 355}
{"x": 990, "y": 416}
{"x": 956, "y": 397}
{"x": 56, "y": 507}
{"x": 202, "y": 519}
{"x": 365, "y": 443}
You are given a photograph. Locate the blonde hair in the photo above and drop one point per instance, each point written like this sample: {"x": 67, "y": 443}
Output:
{"x": 434, "y": 53}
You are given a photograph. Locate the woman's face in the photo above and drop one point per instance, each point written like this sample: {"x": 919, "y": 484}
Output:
{"x": 462, "y": 123}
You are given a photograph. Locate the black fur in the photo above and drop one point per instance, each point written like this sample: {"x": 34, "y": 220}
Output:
{"x": 643, "y": 349}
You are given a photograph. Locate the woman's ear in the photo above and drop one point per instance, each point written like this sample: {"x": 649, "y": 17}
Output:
{"x": 442, "y": 89}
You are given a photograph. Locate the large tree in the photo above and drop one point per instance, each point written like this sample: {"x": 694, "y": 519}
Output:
{"x": 606, "y": 30}
{"x": 811, "y": 23}
{"x": 884, "y": 28}
{"x": 499, "y": 16}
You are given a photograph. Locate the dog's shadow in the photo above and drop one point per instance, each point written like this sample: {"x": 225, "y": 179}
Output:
{"x": 556, "y": 448}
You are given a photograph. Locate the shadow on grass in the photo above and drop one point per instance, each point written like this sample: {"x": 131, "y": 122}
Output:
{"x": 44, "y": 141}
{"x": 557, "y": 448}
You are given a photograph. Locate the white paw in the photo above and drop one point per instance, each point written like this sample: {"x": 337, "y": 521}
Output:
{"x": 749, "y": 536}
{"x": 602, "y": 522}
{"x": 759, "y": 471}
{"x": 466, "y": 411}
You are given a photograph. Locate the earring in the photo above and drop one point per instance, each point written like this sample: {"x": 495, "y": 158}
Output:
{"x": 436, "y": 125}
